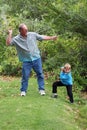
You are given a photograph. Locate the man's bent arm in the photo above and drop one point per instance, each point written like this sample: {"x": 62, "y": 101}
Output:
{"x": 9, "y": 37}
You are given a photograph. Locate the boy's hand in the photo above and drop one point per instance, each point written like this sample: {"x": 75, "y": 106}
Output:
{"x": 62, "y": 68}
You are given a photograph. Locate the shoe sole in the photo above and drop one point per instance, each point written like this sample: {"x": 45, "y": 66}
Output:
{"x": 42, "y": 94}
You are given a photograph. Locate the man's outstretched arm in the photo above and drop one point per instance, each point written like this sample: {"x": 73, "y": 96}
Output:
{"x": 50, "y": 38}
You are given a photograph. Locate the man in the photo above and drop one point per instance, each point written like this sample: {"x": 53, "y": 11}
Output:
{"x": 28, "y": 53}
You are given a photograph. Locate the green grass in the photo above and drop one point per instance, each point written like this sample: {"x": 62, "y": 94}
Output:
{"x": 35, "y": 112}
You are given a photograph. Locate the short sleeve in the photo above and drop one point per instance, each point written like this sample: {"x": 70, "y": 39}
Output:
{"x": 12, "y": 41}
{"x": 39, "y": 37}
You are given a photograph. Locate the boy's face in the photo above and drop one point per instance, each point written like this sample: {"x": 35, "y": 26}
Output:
{"x": 66, "y": 69}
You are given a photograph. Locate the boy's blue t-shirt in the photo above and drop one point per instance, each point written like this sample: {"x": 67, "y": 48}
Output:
{"x": 66, "y": 78}
{"x": 27, "y": 48}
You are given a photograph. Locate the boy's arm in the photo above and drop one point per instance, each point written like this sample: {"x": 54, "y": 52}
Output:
{"x": 63, "y": 75}
{"x": 9, "y": 37}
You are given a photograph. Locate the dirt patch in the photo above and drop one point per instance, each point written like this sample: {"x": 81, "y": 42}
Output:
{"x": 7, "y": 78}
{"x": 84, "y": 95}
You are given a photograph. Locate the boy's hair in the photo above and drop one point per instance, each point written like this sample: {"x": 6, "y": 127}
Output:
{"x": 67, "y": 65}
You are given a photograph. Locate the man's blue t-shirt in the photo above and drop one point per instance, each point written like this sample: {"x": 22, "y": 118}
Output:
{"x": 27, "y": 48}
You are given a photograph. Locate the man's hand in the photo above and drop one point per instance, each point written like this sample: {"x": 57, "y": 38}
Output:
{"x": 54, "y": 37}
{"x": 10, "y": 31}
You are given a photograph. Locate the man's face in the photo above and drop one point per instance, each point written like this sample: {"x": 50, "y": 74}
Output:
{"x": 24, "y": 31}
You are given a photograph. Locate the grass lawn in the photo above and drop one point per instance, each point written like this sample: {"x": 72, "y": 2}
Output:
{"x": 35, "y": 112}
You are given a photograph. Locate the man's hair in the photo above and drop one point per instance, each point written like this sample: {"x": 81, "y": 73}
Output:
{"x": 20, "y": 26}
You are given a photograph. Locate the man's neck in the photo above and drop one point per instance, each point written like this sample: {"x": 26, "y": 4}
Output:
{"x": 24, "y": 36}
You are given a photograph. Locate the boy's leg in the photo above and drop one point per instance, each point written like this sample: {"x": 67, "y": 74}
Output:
{"x": 69, "y": 92}
{"x": 54, "y": 88}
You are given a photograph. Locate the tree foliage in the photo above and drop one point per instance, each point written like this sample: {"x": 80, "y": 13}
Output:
{"x": 67, "y": 19}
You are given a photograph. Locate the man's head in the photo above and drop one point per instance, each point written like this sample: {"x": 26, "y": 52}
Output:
{"x": 23, "y": 29}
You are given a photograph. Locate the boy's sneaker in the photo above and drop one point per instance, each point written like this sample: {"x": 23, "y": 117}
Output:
{"x": 42, "y": 92}
{"x": 54, "y": 95}
{"x": 23, "y": 93}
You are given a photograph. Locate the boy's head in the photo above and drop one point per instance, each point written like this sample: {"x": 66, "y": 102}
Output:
{"x": 67, "y": 68}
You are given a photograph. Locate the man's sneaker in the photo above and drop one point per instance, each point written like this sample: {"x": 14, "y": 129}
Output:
{"x": 23, "y": 93}
{"x": 42, "y": 92}
{"x": 54, "y": 95}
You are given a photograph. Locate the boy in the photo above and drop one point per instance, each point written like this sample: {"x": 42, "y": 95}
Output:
{"x": 65, "y": 80}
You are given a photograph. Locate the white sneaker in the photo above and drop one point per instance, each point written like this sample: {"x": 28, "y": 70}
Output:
{"x": 54, "y": 95}
{"x": 23, "y": 93}
{"x": 42, "y": 92}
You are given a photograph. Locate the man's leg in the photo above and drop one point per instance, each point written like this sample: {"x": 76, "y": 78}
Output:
{"x": 37, "y": 66}
{"x": 26, "y": 69}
